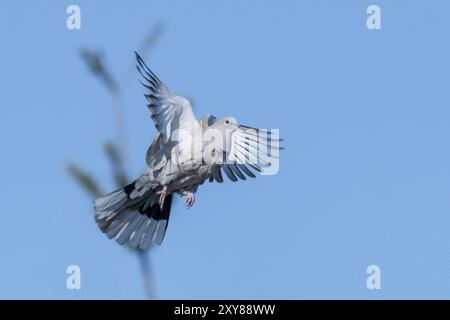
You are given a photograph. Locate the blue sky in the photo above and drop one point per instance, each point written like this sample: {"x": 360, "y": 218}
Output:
{"x": 365, "y": 178}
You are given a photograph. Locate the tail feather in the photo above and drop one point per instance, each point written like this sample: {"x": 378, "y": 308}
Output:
{"x": 160, "y": 231}
{"x": 136, "y": 236}
{"x": 136, "y": 221}
{"x": 128, "y": 228}
{"x": 114, "y": 225}
{"x": 148, "y": 234}
{"x": 110, "y": 203}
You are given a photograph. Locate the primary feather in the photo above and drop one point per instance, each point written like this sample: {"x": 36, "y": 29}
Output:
{"x": 138, "y": 214}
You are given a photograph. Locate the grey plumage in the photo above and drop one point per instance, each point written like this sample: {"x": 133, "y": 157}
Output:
{"x": 138, "y": 214}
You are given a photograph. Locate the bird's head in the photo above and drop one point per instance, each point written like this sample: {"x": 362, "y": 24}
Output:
{"x": 226, "y": 123}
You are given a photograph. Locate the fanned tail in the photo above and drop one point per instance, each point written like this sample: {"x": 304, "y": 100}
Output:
{"x": 133, "y": 217}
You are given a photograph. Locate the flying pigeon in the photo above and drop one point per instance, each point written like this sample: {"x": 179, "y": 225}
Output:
{"x": 184, "y": 154}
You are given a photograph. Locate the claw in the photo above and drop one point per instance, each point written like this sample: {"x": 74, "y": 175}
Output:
{"x": 190, "y": 199}
{"x": 162, "y": 197}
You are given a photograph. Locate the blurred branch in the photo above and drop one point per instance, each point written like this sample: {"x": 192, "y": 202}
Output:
{"x": 95, "y": 62}
{"x": 85, "y": 180}
{"x": 118, "y": 169}
{"x": 144, "y": 49}
{"x": 121, "y": 137}
{"x": 144, "y": 262}
{"x": 116, "y": 152}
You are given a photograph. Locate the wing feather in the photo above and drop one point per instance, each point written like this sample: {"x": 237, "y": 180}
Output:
{"x": 169, "y": 110}
{"x": 250, "y": 148}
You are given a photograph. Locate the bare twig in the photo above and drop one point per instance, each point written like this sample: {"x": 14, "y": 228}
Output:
{"x": 144, "y": 262}
{"x": 117, "y": 151}
{"x": 144, "y": 49}
{"x": 118, "y": 169}
{"x": 94, "y": 61}
{"x": 121, "y": 136}
{"x": 85, "y": 180}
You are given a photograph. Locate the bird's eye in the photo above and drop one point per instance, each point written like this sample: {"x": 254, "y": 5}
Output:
{"x": 227, "y": 121}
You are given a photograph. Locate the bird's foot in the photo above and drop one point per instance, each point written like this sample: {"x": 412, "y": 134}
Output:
{"x": 162, "y": 197}
{"x": 190, "y": 198}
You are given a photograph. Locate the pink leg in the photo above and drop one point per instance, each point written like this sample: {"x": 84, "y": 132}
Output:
{"x": 162, "y": 197}
{"x": 190, "y": 198}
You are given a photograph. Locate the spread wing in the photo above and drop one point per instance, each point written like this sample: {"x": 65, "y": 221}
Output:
{"x": 169, "y": 110}
{"x": 251, "y": 149}
{"x": 152, "y": 151}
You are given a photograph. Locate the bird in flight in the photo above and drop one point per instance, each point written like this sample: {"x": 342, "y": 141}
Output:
{"x": 184, "y": 154}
